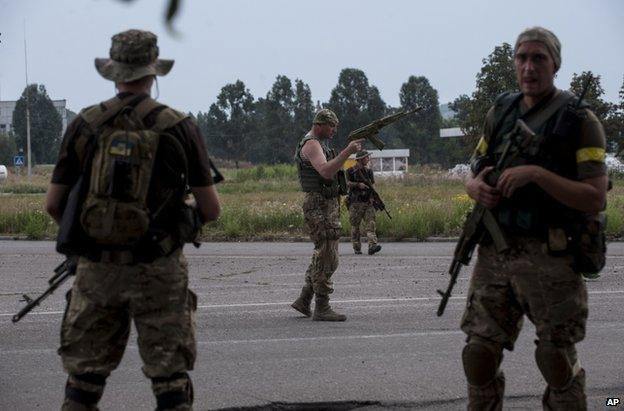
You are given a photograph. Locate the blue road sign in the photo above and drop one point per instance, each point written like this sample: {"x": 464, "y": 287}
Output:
{"x": 18, "y": 161}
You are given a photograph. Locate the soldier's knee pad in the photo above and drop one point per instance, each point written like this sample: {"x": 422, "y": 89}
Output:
{"x": 481, "y": 359}
{"x": 555, "y": 364}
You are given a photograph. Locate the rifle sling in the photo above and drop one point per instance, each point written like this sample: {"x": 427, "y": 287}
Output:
{"x": 536, "y": 119}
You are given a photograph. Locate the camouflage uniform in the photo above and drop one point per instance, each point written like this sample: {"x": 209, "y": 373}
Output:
{"x": 105, "y": 298}
{"x": 361, "y": 210}
{"x": 114, "y": 287}
{"x": 321, "y": 211}
{"x": 322, "y": 220}
{"x": 529, "y": 279}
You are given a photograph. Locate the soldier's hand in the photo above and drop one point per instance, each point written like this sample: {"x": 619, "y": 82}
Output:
{"x": 355, "y": 146}
{"x": 516, "y": 177}
{"x": 362, "y": 186}
{"x": 482, "y": 192}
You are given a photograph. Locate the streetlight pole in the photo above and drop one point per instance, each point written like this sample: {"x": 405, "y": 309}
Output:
{"x": 27, "y": 104}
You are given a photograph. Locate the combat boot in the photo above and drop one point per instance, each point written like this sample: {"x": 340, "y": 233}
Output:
{"x": 373, "y": 249}
{"x": 302, "y": 304}
{"x": 323, "y": 311}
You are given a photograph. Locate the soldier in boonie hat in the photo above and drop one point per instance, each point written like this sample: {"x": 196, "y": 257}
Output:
{"x": 361, "y": 154}
{"x": 326, "y": 116}
{"x": 133, "y": 129}
{"x": 133, "y": 55}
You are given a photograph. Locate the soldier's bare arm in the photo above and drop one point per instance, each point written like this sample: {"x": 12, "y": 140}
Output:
{"x": 587, "y": 195}
{"x": 313, "y": 152}
{"x": 55, "y": 199}
{"x": 208, "y": 204}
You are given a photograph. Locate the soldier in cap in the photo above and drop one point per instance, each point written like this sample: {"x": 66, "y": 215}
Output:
{"x": 539, "y": 203}
{"x": 146, "y": 282}
{"x": 322, "y": 180}
{"x": 360, "y": 180}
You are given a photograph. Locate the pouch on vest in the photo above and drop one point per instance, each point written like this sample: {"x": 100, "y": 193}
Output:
{"x": 115, "y": 211}
{"x": 589, "y": 244}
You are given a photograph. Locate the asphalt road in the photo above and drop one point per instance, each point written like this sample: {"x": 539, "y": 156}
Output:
{"x": 255, "y": 351}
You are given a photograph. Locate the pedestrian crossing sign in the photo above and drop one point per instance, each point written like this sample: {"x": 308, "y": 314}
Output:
{"x": 18, "y": 161}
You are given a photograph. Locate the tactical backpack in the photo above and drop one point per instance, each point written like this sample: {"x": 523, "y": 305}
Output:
{"x": 115, "y": 211}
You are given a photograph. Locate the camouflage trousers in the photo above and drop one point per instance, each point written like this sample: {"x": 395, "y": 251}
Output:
{"x": 322, "y": 220}
{"x": 106, "y": 297}
{"x": 362, "y": 213}
{"x": 527, "y": 281}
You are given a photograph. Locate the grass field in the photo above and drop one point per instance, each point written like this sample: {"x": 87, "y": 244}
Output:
{"x": 265, "y": 203}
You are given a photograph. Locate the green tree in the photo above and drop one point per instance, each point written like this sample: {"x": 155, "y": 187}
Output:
{"x": 497, "y": 75}
{"x": 421, "y": 132}
{"x": 601, "y": 108}
{"x": 609, "y": 114}
{"x": 355, "y": 102}
{"x": 615, "y": 128}
{"x": 7, "y": 149}
{"x": 303, "y": 109}
{"x": 275, "y": 141}
{"x": 45, "y": 124}
{"x": 228, "y": 126}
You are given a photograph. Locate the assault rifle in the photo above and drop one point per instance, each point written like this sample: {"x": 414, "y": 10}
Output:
{"x": 481, "y": 220}
{"x": 61, "y": 273}
{"x": 371, "y": 130}
{"x": 378, "y": 203}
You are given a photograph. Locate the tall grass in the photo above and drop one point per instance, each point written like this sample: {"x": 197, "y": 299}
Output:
{"x": 265, "y": 203}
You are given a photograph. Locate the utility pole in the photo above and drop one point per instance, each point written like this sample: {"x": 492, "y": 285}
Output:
{"x": 27, "y": 104}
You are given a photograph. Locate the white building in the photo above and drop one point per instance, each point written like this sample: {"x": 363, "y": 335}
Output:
{"x": 451, "y": 132}
{"x": 6, "y": 114}
{"x": 385, "y": 162}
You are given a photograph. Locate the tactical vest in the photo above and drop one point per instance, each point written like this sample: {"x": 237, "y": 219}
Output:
{"x": 530, "y": 211}
{"x": 122, "y": 157}
{"x": 357, "y": 194}
{"x": 311, "y": 181}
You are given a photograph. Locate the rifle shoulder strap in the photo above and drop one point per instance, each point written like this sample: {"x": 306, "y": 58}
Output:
{"x": 536, "y": 119}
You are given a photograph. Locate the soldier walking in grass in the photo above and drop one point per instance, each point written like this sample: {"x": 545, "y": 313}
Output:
{"x": 360, "y": 180}
{"x": 323, "y": 182}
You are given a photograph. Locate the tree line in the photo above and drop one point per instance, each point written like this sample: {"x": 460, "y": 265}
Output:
{"x": 241, "y": 128}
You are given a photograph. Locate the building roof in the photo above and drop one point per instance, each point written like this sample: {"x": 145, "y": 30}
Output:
{"x": 403, "y": 152}
{"x": 451, "y": 132}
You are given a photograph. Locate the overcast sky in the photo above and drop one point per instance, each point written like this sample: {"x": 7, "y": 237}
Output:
{"x": 256, "y": 40}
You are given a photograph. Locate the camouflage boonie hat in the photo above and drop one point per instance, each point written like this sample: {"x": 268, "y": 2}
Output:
{"x": 326, "y": 116}
{"x": 361, "y": 154}
{"x": 133, "y": 55}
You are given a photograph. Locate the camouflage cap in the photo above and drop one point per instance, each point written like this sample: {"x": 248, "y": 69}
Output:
{"x": 544, "y": 36}
{"x": 326, "y": 116}
{"x": 362, "y": 154}
{"x": 133, "y": 55}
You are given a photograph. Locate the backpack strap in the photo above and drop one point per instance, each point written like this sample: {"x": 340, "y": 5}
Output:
{"x": 145, "y": 107}
{"x": 536, "y": 119}
{"x": 168, "y": 118}
{"x": 96, "y": 116}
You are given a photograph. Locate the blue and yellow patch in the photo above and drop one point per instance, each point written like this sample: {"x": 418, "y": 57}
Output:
{"x": 121, "y": 148}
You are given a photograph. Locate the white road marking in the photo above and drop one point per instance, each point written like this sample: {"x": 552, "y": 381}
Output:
{"x": 286, "y": 304}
